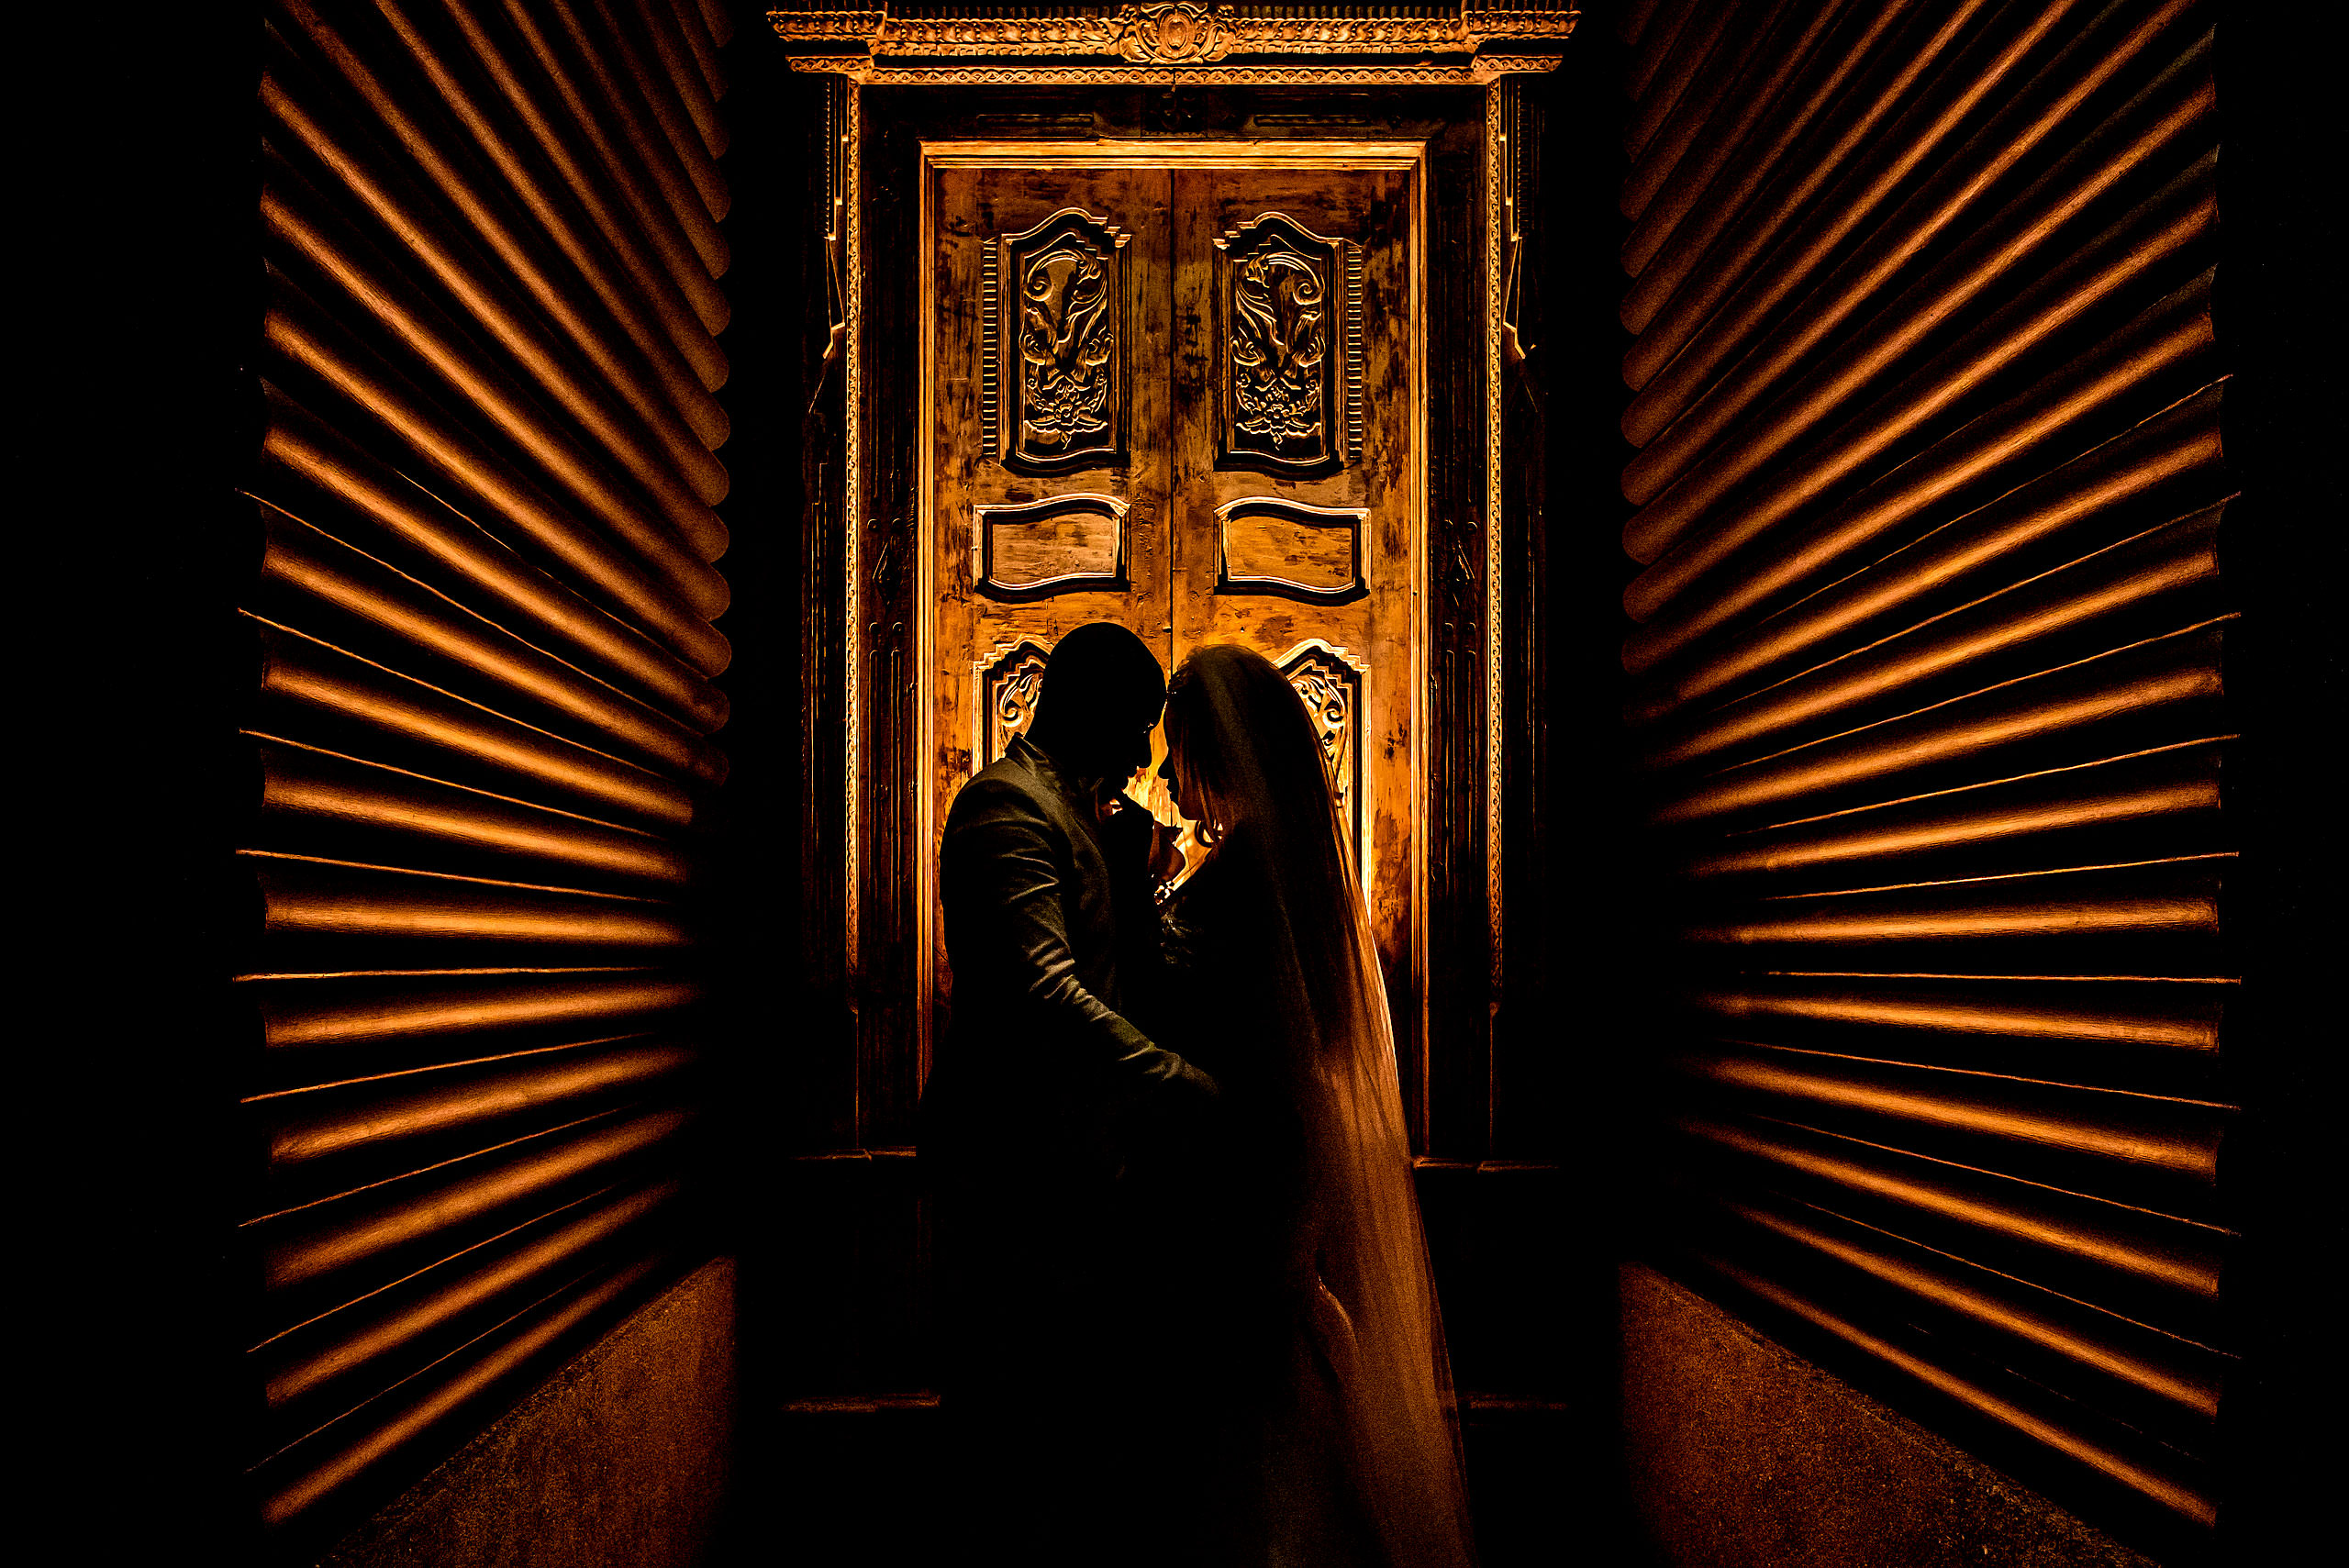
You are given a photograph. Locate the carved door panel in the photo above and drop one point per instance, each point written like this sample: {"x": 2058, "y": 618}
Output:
{"x": 1183, "y": 398}
{"x": 1295, "y": 511}
{"x": 1049, "y": 463}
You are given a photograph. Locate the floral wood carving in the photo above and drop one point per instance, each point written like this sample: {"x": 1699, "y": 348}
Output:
{"x": 1291, "y": 320}
{"x": 1167, "y": 42}
{"x": 1010, "y": 686}
{"x": 1145, "y": 33}
{"x": 1482, "y": 71}
{"x": 1064, "y": 280}
{"x": 1330, "y": 683}
{"x": 1173, "y": 34}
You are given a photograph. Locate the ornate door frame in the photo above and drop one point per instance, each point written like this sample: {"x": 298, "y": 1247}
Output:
{"x": 886, "y": 853}
{"x": 1406, "y": 158}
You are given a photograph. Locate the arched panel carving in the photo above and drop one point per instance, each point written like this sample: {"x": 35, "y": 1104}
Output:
{"x": 1331, "y": 682}
{"x": 1008, "y": 685}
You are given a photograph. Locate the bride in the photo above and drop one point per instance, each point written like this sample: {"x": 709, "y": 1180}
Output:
{"x": 1343, "y": 1447}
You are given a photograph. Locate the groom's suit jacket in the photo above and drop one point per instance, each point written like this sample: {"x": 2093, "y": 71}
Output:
{"x": 1040, "y": 1058}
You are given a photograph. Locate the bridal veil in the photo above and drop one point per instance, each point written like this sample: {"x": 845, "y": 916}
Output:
{"x": 1358, "y": 1262}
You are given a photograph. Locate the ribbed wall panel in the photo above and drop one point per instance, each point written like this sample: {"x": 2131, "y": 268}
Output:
{"x": 1656, "y": 200}
{"x": 1633, "y": 19}
{"x": 482, "y": 718}
{"x": 1930, "y": 711}
{"x": 633, "y": 223}
{"x": 2153, "y": 132}
{"x": 339, "y": 484}
{"x": 421, "y": 201}
{"x": 1653, "y": 44}
{"x": 1863, "y": 88}
{"x": 1678, "y": 71}
{"x": 503, "y": 204}
{"x": 673, "y": 597}
{"x": 673, "y": 24}
{"x": 340, "y": 267}
{"x": 313, "y": 800}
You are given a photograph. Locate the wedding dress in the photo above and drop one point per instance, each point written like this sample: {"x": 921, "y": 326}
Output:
{"x": 1345, "y": 1441}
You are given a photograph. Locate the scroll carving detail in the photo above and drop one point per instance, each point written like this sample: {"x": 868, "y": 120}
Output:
{"x": 1009, "y": 687}
{"x": 1065, "y": 282}
{"x": 1279, "y": 338}
{"x": 1170, "y": 33}
{"x": 1166, "y": 31}
{"x": 1291, "y": 319}
{"x": 1330, "y": 684}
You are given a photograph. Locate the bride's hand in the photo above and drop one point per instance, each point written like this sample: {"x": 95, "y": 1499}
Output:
{"x": 1165, "y": 853}
{"x": 1333, "y": 1331}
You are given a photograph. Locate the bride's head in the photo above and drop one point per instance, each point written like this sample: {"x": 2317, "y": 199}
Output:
{"x": 1240, "y": 749}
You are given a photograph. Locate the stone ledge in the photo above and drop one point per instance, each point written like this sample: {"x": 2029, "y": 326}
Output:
{"x": 621, "y": 1456}
{"x": 1742, "y": 1454}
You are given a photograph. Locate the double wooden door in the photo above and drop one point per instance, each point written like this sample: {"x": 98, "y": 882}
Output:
{"x": 1183, "y": 394}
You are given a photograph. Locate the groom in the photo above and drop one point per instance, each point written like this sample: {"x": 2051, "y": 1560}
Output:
{"x": 1045, "y": 1096}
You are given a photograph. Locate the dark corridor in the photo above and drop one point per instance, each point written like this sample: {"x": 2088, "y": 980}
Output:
{"x": 1865, "y": 663}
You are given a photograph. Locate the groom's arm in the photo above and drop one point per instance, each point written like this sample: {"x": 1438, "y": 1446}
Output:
{"x": 1001, "y": 879}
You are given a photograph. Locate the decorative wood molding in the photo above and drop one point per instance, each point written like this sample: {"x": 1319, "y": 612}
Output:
{"x": 1065, "y": 544}
{"x": 1008, "y": 679}
{"x": 1288, "y": 346}
{"x": 1170, "y": 32}
{"x": 1255, "y": 572}
{"x": 1168, "y": 42}
{"x": 1482, "y": 71}
{"x": 1056, "y": 297}
{"x": 1335, "y": 685}
{"x": 990, "y": 349}
{"x": 848, "y": 237}
{"x": 1353, "y": 352}
{"x": 1502, "y": 117}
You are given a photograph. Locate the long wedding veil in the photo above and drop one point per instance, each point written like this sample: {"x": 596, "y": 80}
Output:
{"x": 1247, "y": 742}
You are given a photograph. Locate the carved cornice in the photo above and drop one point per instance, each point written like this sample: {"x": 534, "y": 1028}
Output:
{"x": 1481, "y": 72}
{"x": 1163, "y": 35}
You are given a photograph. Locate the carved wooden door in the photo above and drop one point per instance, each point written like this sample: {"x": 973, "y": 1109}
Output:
{"x": 1182, "y": 395}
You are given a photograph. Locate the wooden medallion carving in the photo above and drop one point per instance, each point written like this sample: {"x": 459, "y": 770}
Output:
{"x": 1290, "y": 334}
{"x": 1065, "y": 544}
{"x": 1062, "y": 321}
{"x": 1174, "y": 33}
{"x": 1010, "y": 684}
{"x": 1328, "y": 680}
{"x": 1268, "y": 545}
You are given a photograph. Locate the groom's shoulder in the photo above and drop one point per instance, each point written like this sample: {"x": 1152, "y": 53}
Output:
{"x": 1004, "y": 787}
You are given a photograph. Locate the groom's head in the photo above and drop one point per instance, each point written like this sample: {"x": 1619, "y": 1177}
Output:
{"x": 1102, "y": 693}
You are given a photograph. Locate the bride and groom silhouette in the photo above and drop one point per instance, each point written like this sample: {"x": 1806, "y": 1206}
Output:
{"x": 1188, "y": 1317}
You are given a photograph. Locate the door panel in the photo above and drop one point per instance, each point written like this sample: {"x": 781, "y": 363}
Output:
{"x": 1183, "y": 398}
{"x": 1296, "y": 515}
{"x": 1048, "y": 469}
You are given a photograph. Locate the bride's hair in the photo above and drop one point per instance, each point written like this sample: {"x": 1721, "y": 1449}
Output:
{"x": 1281, "y": 772}
{"x": 1244, "y": 740}
{"x": 1245, "y": 744}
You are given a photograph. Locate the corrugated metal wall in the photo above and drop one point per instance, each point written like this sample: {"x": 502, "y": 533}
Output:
{"x": 1929, "y": 705}
{"x": 480, "y": 718}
